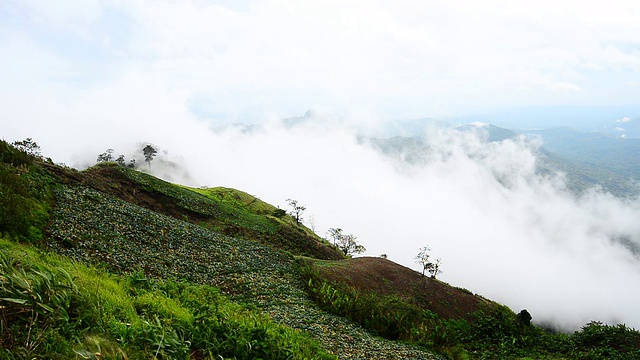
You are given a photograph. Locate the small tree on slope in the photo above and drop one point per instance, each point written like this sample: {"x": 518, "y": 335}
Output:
{"x": 346, "y": 243}
{"x": 296, "y": 210}
{"x": 149, "y": 153}
{"x": 424, "y": 259}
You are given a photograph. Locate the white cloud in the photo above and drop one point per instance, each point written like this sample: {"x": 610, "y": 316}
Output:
{"x": 413, "y": 56}
{"x": 625, "y": 119}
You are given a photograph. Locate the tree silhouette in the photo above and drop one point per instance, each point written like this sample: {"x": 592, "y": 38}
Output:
{"x": 105, "y": 156}
{"x": 149, "y": 153}
{"x": 28, "y": 146}
{"x": 120, "y": 160}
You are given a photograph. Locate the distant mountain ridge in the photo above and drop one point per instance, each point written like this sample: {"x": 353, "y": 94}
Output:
{"x": 588, "y": 159}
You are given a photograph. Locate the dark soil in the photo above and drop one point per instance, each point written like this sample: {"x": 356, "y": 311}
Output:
{"x": 384, "y": 277}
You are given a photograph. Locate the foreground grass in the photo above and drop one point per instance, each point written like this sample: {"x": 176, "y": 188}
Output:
{"x": 55, "y": 308}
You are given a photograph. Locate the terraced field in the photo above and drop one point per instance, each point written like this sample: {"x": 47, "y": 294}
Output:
{"x": 98, "y": 228}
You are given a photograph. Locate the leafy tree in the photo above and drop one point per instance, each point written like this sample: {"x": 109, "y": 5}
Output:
{"x": 120, "y": 160}
{"x": 29, "y": 147}
{"x": 149, "y": 152}
{"x": 434, "y": 268}
{"x": 105, "y": 156}
{"x": 132, "y": 163}
{"x": 296, "y": 210}
{"x": 346, "y": 243}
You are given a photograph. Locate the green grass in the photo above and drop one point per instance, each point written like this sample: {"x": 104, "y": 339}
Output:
{"x": 24, "y": 195}
{"x": 58, "y": 309}
{"x": 239, "y": 214}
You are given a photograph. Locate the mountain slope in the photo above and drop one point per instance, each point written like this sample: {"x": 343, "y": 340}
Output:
{"x": 128, "y": 238}
{"x": 151, "y": 250}
{"x": 223, "y": 210}
{"x": 616, "y": 154}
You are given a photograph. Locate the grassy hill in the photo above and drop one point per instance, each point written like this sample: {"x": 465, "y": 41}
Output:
{"x": 113, "y": 263}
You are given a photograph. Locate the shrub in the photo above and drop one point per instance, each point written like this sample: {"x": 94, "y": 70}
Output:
{"x": 24, "y": 195}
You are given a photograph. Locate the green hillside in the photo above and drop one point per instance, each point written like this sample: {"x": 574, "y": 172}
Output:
{"x": 114, "y": 263}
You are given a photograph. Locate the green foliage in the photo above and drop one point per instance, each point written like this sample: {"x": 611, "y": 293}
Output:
{"x": 600, "y": 341}
{"x": 52, "y": 308}
{"x": 24, "y": 194}
{"x": 29, "y": 147}
{"x": 236, "y": 213}
{"x": 388, "y": 316}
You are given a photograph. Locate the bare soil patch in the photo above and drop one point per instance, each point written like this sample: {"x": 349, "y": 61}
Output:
{"x": 385, "y": 277}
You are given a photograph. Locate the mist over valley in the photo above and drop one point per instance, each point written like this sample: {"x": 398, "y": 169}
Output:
{"x": 511, "y": 220}
{"x": 501, "y": 139}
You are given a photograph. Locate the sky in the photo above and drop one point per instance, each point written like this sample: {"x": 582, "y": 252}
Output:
{"x": 82, "y": 77}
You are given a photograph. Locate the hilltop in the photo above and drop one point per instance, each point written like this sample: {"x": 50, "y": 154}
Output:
{"x": 116, "y": 262}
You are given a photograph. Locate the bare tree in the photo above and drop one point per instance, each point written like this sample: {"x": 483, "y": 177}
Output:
{"x": 424, "y": 259}
{"x": 312, "y": 223}
{"x": 335, "y": 234}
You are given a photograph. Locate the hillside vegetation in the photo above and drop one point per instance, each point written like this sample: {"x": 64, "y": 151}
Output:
{"x": 113, "y": 263}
